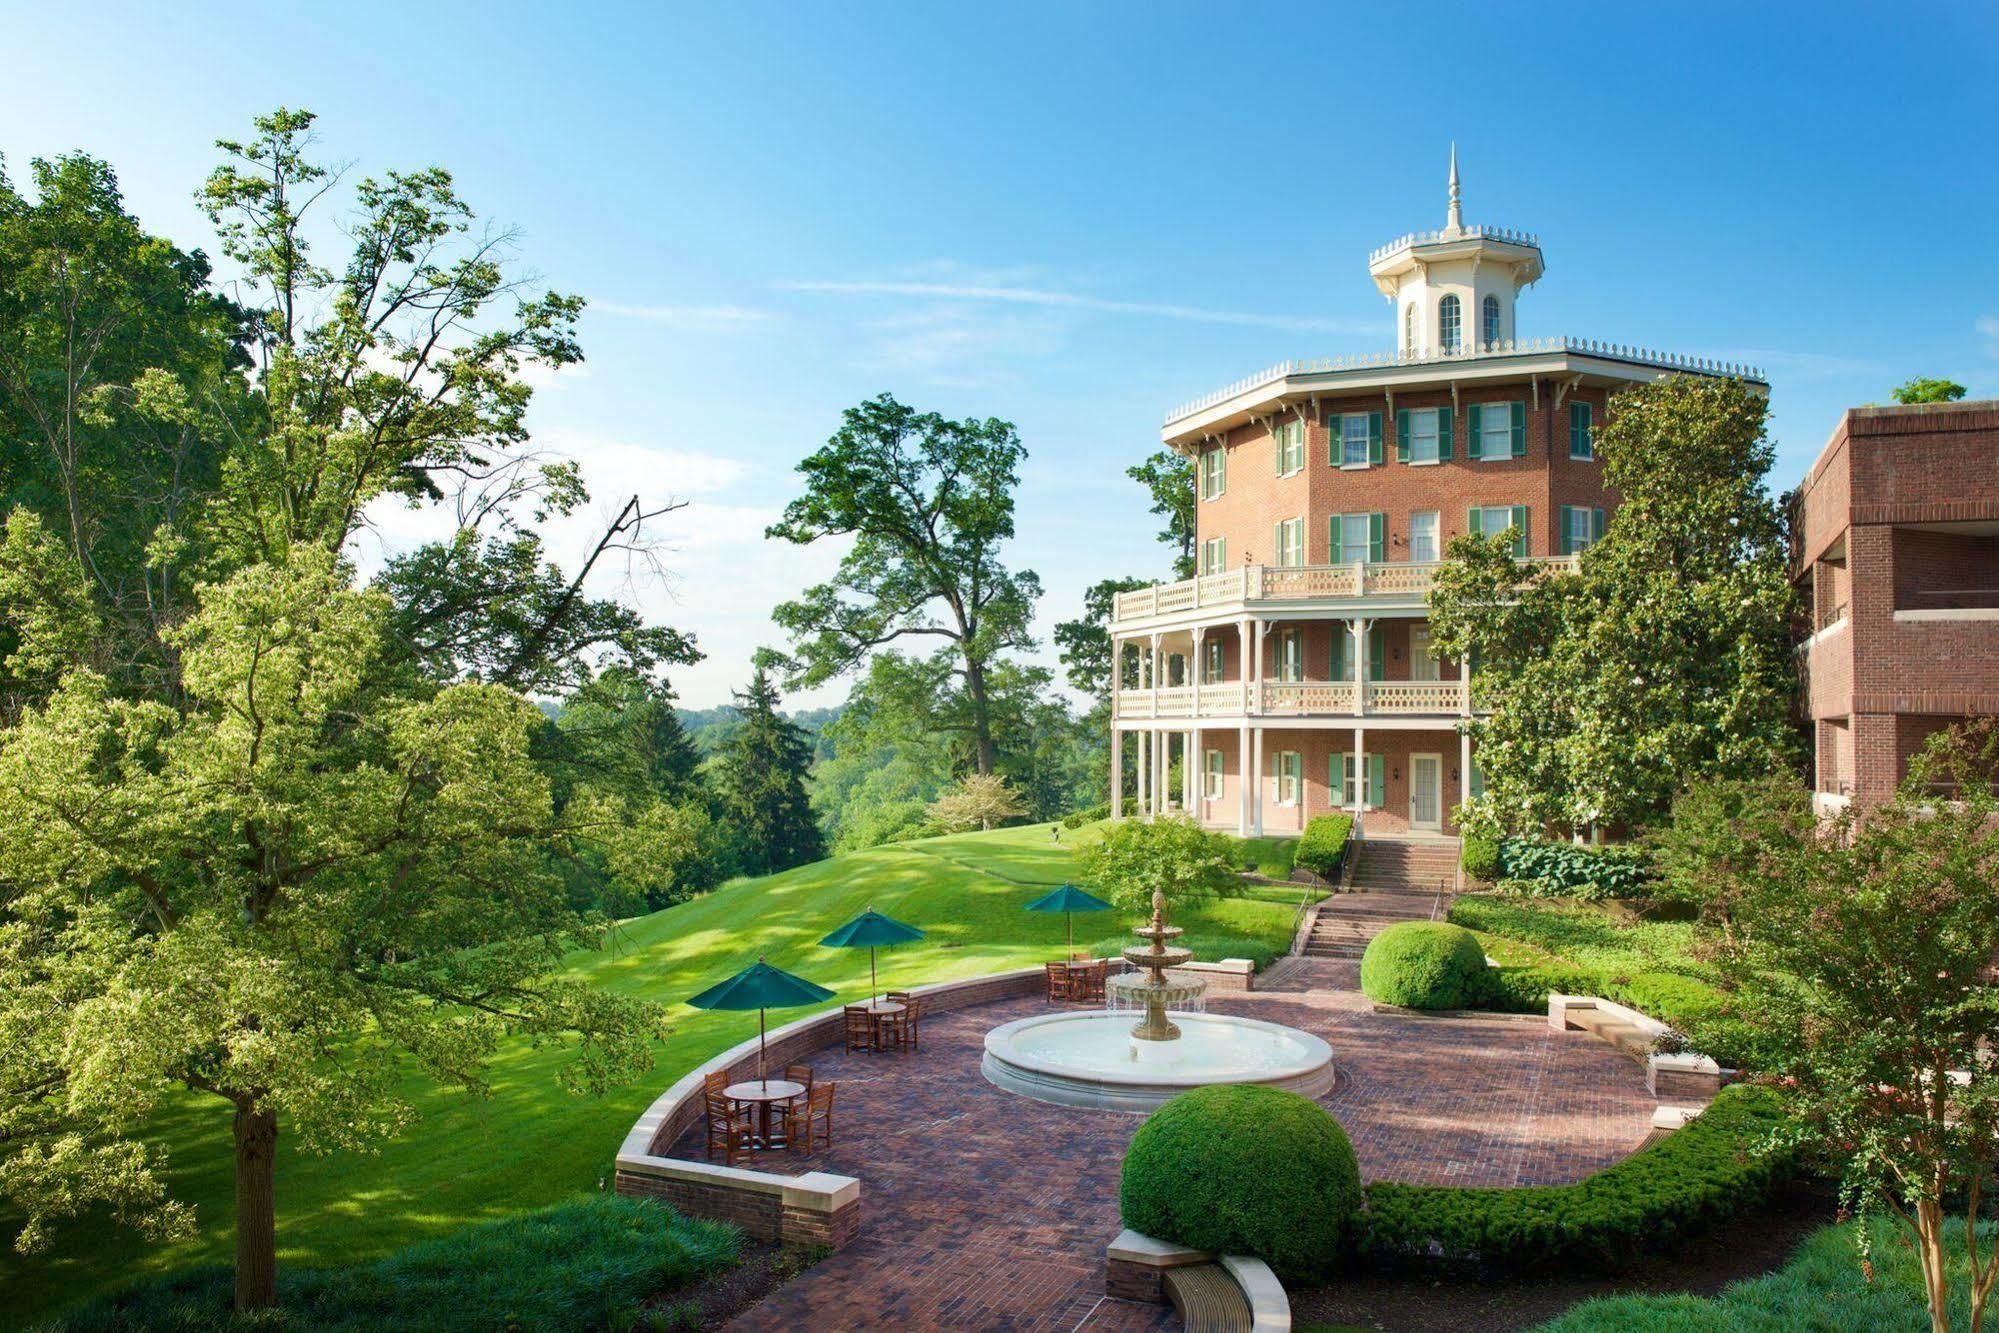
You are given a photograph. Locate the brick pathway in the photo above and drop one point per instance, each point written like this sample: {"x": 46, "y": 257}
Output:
{"x": 984, "y": 1210}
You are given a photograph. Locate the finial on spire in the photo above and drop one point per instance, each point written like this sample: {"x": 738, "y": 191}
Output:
{"x": 1456, "y": 221}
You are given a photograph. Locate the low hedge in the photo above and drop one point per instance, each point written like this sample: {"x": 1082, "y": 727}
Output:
{"x": 1552, "y": 869}
{"x": 1424, "y": 965}
{"x": 1324, "y": 844}
{"x": 1678, "y": 1187}
{"x": 1095, "y": 814}
{"x": 1480, "y": 859}
{"x": 1244, "y": 1169}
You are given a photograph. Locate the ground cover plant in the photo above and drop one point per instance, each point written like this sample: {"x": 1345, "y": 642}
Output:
{"x": 528, "y": 1143}
{"x": 1588, "y": 935}
{"x": 588, "y": 1264}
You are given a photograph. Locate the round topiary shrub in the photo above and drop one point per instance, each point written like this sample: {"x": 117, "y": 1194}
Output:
{"x": 1480, "y": 858}
{"x": 1424, "y": 965}
{"x": 1245, "y": 1170}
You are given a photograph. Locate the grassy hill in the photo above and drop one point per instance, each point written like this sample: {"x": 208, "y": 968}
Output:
{"x": 529, "y": 1144}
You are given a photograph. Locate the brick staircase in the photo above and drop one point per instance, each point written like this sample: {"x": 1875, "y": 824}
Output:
{"x": 1395, "y": 879}
{"x": 1405, "y": 865}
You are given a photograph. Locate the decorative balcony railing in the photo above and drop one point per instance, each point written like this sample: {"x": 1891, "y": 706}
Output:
{"x": 1297, "y": 583}
{"x": 1297, "y": 698}
{"x": 1424, "y": 356}
{"x": 1505, "y": 234}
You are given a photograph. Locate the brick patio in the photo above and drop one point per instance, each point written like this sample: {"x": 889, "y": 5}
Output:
{"x": 986, "y": 1210}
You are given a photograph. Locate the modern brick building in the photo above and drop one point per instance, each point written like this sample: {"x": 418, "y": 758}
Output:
{"x": 1296, "y": 668}
{"x": 1897, "y": 558}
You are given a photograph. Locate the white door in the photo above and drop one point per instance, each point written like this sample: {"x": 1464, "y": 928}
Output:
{"x": 1426, "y": 791}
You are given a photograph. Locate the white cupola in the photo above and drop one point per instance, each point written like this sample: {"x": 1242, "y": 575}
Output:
{"x": 1454, "y": 289}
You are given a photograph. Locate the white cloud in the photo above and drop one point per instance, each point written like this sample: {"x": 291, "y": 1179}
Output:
{"x": 705, "y": 317}
{"x": 958, "y": 346}
{"x": 1037, "y": 296}
{"x": 1988, "y": 329}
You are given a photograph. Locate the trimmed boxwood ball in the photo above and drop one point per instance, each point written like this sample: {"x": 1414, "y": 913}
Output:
{"x": 1424, "y": 965}
{"x": 1242, "y": 1169}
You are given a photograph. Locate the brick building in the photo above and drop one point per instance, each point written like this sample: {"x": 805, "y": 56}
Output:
{"x": 1296, "y": 667}
{"x": 1897, "y": 558}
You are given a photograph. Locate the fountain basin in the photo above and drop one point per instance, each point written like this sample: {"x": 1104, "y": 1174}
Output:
{"x": 1093, "y": 1062}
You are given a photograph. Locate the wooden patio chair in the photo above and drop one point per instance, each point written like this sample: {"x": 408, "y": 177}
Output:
{"x": 799, "y": 1074}
{"x": 810, "y": 1124}
{"x": 1058, "y": 981}
{"x": 1091, "y": 982}
{"x": 731, "y": 1127}
{"x": 860, "y": 1026}
{"x": 910, "y": 1022}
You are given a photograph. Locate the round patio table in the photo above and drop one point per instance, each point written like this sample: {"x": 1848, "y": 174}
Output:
{"x": 879, "y": 1010}
{"x": 763, "y": 1094}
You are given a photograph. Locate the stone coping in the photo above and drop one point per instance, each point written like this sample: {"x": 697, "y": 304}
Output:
{"x": 812, "y": 1191}
{"x": 1270, "y": 1308}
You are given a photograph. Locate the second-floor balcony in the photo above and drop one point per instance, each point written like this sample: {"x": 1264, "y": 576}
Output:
{"x": 1253, "y": 586}
{"x": 1298, "y": 698}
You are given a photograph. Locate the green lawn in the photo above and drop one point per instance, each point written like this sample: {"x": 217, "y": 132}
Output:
{"x": 530, "y": 1144}
{"x": 1584, "y": 934}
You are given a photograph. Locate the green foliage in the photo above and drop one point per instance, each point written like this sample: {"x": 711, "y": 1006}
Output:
{"x": 1677, "y": 1188}
{"x": 1525, "y": 988}
{"x": 1424, "y": 965}
{"x": 1241, "y": 1169}
{"x": 1094, "y": 814}
{"x": 1270, "y": 856}
{"x": 1168, "y": 479}
{"x": 1555, "y": 869}
{"x": 760, "y": 786}
{"x": 1715, "y": 837}
{"x": 1588, "y": 936}
{"x": 1324, "y": 844}
{"x": 590, "y": 1264}
{"x": 928, "y": 502}
{"x": 1480, "y": 859}
{"x": 1823, "y": 1288}
{"x": 1667, "y": 657}
{"x": 1924, "y": 390}
{"x": 1176, "y": 856}
{"x": 1085, "y": 644}
{"x": 979, "y": 800}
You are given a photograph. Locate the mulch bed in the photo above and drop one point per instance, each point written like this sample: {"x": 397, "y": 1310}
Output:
{"x": 761, "y": 1270}
{"x": 1747, "y": 1246}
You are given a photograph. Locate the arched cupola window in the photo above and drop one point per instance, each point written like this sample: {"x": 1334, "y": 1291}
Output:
{"x": 1448, "y": 336}
{"x": 1489, "y": 321}
{"x": 1409, "y": 327}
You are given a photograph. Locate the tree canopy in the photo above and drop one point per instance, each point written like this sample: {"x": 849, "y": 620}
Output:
{"x": 1925, "y": 390}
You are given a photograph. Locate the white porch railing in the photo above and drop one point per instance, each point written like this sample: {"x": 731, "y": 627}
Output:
{"x": 1296, "y": 583}
{"x": 1297, "y": 698}
{"x": 1294, "y": 698}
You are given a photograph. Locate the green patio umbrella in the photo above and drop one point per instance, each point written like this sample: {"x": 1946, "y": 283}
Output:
{"x": 761, "y": 987}
{"x": 1069, "y": 899}
{"x": 867, "y": 931}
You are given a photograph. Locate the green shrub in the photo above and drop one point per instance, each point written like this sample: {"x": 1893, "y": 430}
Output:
{"x": 1324, "y": 845}
{"x": 1680, "y": 1186}
{"x": 1525, "y": 990}
{"x": 1094, "y": 814}
{"x": 1480, "y": 859}
{"x": 583, "y": 1265}
{"x": 1269, "y": 856}
{"x": 1241, "y": 1169}
{"x": 1566, "y": 869}
{"x": 1424, "y": 965}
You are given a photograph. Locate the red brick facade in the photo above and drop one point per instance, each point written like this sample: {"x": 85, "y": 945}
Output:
{"x": 1897, "y": 555}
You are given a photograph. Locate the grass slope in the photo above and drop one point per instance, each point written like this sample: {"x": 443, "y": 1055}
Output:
{"x": 472, "y": 1160}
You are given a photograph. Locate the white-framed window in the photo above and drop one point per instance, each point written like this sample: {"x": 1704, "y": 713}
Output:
{"x": 1423, "y": 664}
{"x": 1422, "y": 445}
{"x": 1290, "y": 655}
{"x": 1289, "y": 541}
{"x": 1488, "y": 321}
{"x": 1214, "y": 472}
{"x": 1289, "y": 770}
{"x": 1356, "y": 534}
{"x": 1216, "y": 656}
{"x": 1214, "y": 555}
{"x": 1495, "y": 431}
{"x": 1288, "y": 437}
{"x": 1212, "y": 775}
{"x": 1491, "y": 520}
{"x": 1448, "y": 325}
{"x": 1582, "y": 431}
{"x": 1424, "y": 538}
{"x": 1409, "y": 328}
{"x": 1344, "y": 780}
{"x": 1581, "y": 527}
{"x": 1353, "y": 439}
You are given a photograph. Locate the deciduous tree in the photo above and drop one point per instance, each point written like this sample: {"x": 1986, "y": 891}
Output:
{"x": 1176, "y": 855}
{"x": 1925, "y": 390}
{"x": 1169, "y": 480}
{"x": 981, "y": 799}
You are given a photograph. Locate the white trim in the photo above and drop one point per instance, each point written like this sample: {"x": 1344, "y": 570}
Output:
{"x": 1945, "y": 613}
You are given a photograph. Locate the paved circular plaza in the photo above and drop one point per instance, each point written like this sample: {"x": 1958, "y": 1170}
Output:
{"x": 982, "y": 1209}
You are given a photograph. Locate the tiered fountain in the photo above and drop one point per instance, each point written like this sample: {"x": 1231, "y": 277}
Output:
{"x": 1104, "y": 1062}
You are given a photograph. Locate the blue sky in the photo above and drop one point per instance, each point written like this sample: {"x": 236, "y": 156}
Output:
{"x": 1076, "y": 217}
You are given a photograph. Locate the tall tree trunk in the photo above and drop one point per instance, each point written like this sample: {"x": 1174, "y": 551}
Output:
{"x": 982, "y": 723}
{"x": 256, "y": 1208}
{"x": 1929, "y": 1249}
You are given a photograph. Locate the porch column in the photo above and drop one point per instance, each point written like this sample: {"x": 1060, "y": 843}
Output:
{"x": 1162, "y": 758}
{"x": 1117, "y": 772}
{"x": 1256, "y": 690}
{"x": 1256, "y": 784}
{"x": 1197, "y": 674}
{"x": 1242, "y": 782}
{"x": 1360, "y": 629}
{"x": 1243, "y": 665}
{"x": 1155, "y": 675}
{"x": 1142, "y": 761}
{"x": 1196, "y": 774}
{"x": 1359, "y": 769}
{"x": 1464, "y": 766}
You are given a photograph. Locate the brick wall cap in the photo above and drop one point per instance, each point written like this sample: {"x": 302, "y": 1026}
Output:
{"x": 1894, "y": 418}
{"x": 1135, "y": 1247}
{"x": 1683, "y": 1062}
{"x": 810, "y": 1191}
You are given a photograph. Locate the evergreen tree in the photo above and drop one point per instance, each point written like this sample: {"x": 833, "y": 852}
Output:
{"x": 761, "y": 781}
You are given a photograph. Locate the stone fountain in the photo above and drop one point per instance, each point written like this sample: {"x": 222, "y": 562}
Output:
{"x": 1103, "y": 1061}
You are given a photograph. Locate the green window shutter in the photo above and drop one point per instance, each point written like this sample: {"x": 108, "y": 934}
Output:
{"x": 1377, "y": 654}
{"x": 1520, "y": 531}
{"x": 1334, "y": 534}
{"x": 1568, "y": 543}
{"x": 1377, "y": 780}
{"x": 1475, "y": 521}
{"x": 1402, "y": 433}
{"x": 1377, "y": 537}
{"x": 1477, "y": 781}
{"x": 1473, "y": 449}
{"x": 1444, "y": 434}
{"x": 1519, "y": 429}
{"x": 1277, "y": 544}
{"x": 1342, "y": 667}
{"x": 1374, "y": 439}
{"x": 1579, "y": 442}
{"x": 1596, "y": 525}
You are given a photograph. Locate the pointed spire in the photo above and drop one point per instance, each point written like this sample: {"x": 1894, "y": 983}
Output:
{"x": 1457, "y": 221}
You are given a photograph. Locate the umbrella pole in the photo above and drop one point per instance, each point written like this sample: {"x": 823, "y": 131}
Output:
{"x": 760, "y": 1047}
{"x": 1069, "y": 928}
{"x": 873, "y": 985}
